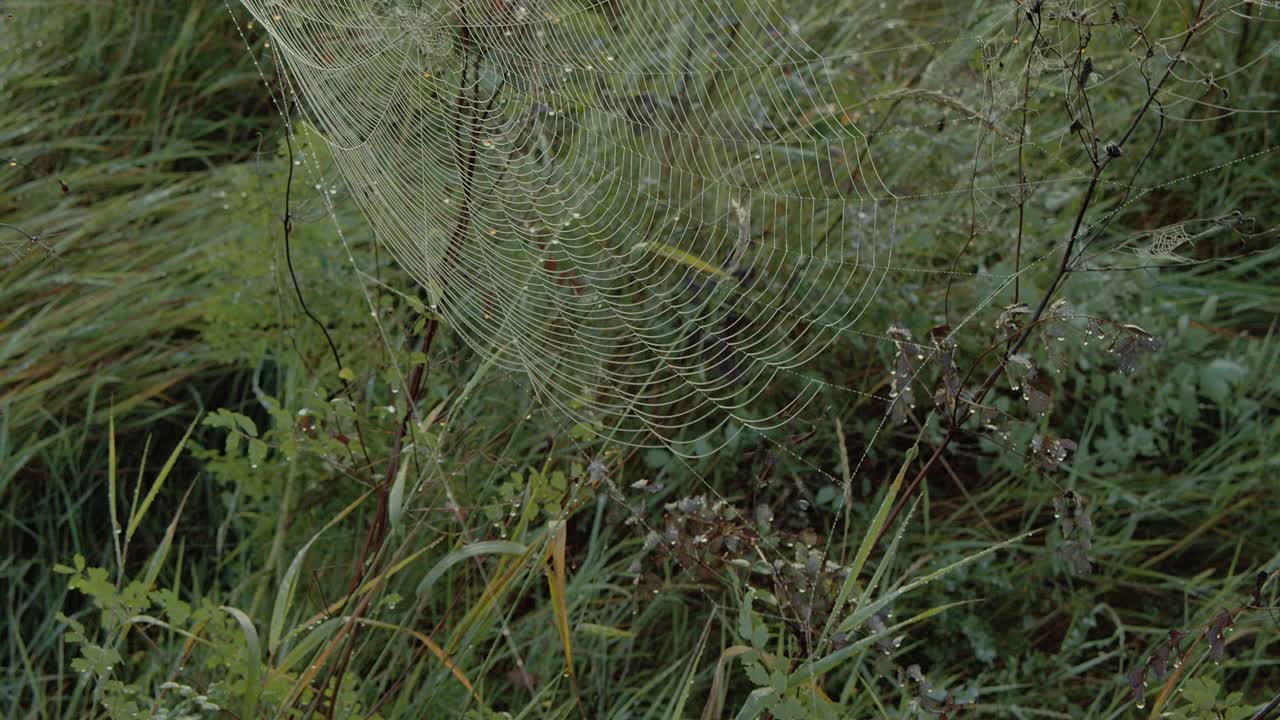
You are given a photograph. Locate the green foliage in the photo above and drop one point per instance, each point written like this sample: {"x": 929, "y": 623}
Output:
{"x": 205, "y": 641}
{"x": 1200, "y": 701}
{"x": 170, "y": 302}
{"x": 546, "y": 491}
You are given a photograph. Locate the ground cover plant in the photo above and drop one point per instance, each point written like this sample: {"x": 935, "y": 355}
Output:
{"x": 370, "y": 358}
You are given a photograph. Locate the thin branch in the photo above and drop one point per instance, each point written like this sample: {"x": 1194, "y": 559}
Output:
{"x": 1064, "y": 268}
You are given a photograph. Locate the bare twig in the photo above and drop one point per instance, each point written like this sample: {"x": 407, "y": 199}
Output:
{"x": 1064, "y": 268}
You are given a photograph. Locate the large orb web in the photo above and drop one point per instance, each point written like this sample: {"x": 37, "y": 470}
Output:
{"x": 662, "y": 212}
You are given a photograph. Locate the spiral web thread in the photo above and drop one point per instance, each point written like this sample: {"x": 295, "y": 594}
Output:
{"x": 662, "y": 212}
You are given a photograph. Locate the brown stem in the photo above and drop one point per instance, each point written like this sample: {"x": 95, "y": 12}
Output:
{"x": 467, "y": 170}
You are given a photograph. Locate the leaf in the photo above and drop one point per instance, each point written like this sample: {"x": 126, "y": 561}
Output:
{"x": 869, "y": 538}
{"x": 246, "y": 424}
{"x": 1201, "y": 692}
{"x": 715, "y": 699}
{"x": 310, "y": 642}
{"x": 778, "y": 680}
{"x": 253, "y": 662}
{"x": 257, "y": 452}
{"x": 745, "y": 622}
{"x": 1219, "y": 377}
{"x": 395, "y": 498}
{"x": 817, "y": 668}
{"x": 435, "y": 649}
{"x": 284, "y": 594}
{"x": 760, "y": 636}
{"x": 556, "y": 582}
{"x": 682, "y": 257}
{"x": 857, "y": 618}
{"x": 477, "y": 377}
{"x": 162, "y": 551}
{"x": 483, "y": 607}
{"x": 685, "y": 684}
{"x": 346, "y": 375}
{"x": 756, "y": 703}
{"x": 111, "y": 490}
{"x": 485, "y": 547}
{"x": 605, "y": 631}
{"x": 139, "y": 512}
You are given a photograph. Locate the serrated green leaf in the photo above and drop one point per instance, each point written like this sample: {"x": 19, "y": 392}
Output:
{"x": 744, "y": 616}
{"x": 246, "y": 424}
{"x": 257, "y": 452}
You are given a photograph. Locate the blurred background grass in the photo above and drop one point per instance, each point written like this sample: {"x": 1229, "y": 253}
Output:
{"x": 165, "y": 298}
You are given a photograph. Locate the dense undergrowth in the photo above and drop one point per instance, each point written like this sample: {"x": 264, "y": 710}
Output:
{"x": 193, "y": 525}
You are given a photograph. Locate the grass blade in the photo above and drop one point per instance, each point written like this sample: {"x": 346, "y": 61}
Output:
{"x": 869, "y": 542}
{"x": 111, "y": 490}
{"x": 486, "y": 547}
{"x": 284, "y": 594}
{"x": 556, "y": 582}
{"x": 395, "y": 498}
{"x": 253, "y": 662}
{"x": 140, "y": 511}
{"x": 863, "y": 613}
{"x": 685, "y": 258}
{"x": 435, "y": 649}
{"x": 162, "y": 551}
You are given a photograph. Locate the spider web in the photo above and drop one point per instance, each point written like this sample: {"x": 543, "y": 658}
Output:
{"x": 665, "y": 213}
{"x": 677, "y": 219}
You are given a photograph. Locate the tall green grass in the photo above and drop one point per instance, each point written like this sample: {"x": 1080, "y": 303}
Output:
{"x": 130, "y": 107}
{"x": 538, "y": 595}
